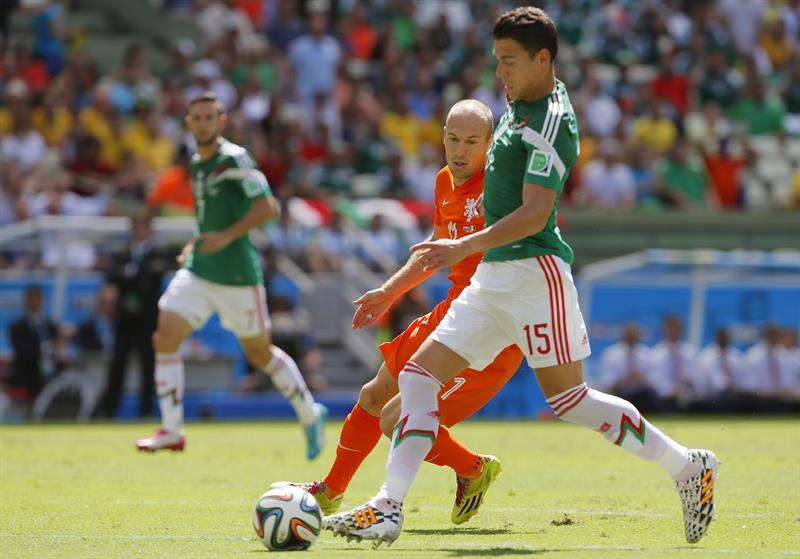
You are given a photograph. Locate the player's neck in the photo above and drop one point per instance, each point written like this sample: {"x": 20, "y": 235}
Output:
{"x": 542, "y": 90}
{"x": 207, "y": 152}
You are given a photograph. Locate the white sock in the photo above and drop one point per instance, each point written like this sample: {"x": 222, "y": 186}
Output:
{"x": 286, "y": 377}
{"x": 170, "y": 384}
{"x": 622, "y": 424}
{"x": 415, "y": 433}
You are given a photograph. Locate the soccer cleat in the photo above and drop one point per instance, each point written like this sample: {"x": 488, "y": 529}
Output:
{"x": 697, "y": 495}
{"x": 380, "y": 520}
{"x": 328, "y": 505}
{"x": 315, "y": 433}
{"x": 470, "y": 492}
{"x": 162, "y": 440}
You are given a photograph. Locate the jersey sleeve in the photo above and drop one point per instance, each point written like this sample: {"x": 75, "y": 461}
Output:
{"x": 242, "y": 171}
{"x": 547, "y": 156}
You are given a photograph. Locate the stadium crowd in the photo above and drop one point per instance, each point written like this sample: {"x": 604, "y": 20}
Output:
{"x": 682, "y": 104}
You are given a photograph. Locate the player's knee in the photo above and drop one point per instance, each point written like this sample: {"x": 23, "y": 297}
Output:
{"x": 371, "y": 398}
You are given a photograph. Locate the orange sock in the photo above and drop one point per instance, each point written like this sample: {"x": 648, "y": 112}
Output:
{"x": 360, "y": 433}
{"x": 448, "y": 451}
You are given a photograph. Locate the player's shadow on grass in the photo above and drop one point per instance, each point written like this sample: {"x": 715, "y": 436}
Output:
{"x": 457, "y": 531}
{"x": 493, "y": 552}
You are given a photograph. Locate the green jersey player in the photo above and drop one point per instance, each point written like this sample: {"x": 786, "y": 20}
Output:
{"x": 522, "y": 293}
{"x": 222, "y": 274}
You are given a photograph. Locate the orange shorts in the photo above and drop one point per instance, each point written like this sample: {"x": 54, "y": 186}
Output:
{"x": 469, "y": 390}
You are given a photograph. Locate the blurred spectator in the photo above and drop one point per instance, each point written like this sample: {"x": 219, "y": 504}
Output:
{"x": 744, "y": 19}
{"x": 314, "y": 57}
{"x": 671, "y": 87}
{"x": 625, "y": 369}
{"x": 171, "y": 193}
{"x": 96, "y": 333}
{"x": 137, "y": 274}
{"x": 146, "y": 141}
{"x": 360, "y": 35}
{"x": 757, "y": 113}
{"x": 607, "y": 181}
{"x": 381, "y": 239}
{"x": 207, "y": 76}
{"x": 24, "y": 146}
{"x": 656, "y": 130}
{"x": 38, "y": 345}
{"x": 719, "y": 368}
{"x": 719, "y": 82}
{"x": 53, "y": 118}
{"x": 673, "y": 364}
{"x": 602, "y": 114}
{"x": 684, "y": 180}
{"x": 777, "y": 45}
{"x": 330, "y": 246}
{"x": 50, "y": 34}
{"x": 101, "y": 120}
{"x": 287, "y": 25}
{"x": 725, "y": 171}
{"x": 15, "y": 100}
{"x": 286, "y": 237}
{"x": 770, "y": 370}
{"x": 30, "y": 70}
{"x": 91, "y": 174}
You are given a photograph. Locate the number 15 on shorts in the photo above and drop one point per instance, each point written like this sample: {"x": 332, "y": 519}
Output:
{"x": 537, "y": 337}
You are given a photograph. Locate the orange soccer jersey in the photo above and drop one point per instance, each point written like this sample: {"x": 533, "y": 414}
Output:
{"x": 456, "y": 215}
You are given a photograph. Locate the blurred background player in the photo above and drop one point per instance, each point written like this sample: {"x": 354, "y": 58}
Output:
{"x": 459, "y": 187}
{"x": 522, "y": 293}
{"x": 222, "y": 274}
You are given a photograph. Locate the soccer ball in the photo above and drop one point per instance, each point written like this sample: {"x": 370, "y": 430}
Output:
{"x": 287, "y": 519}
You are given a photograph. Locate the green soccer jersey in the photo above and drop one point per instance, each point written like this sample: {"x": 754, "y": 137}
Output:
{"x": 223, "y": 188}
{"x": 536, "y": 142}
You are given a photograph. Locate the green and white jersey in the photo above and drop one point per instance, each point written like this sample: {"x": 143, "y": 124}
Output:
{"x": 223, "y": 188}
{"x": 536, "y": 142}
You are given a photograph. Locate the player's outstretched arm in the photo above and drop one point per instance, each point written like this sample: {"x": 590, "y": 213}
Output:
{"x": 373, "y": 304}
{"x": 261, "y": 211}
{"x": 530, "y": 218}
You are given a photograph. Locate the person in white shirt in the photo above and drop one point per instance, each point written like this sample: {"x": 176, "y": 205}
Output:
{"x": 789, "y": 341}
{"x": 718, "y": 369}
{"x": 767, "y": 372}
{"x": 624, "y": 367}
{"x": 673, "y": 363}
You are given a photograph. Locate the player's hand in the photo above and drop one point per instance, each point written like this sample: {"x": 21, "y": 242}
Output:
{"x": 371, "y": 306}
{"x": 186, "y": 251}
{"x": 213, "y": 241}
{"x": 440, "y": 253}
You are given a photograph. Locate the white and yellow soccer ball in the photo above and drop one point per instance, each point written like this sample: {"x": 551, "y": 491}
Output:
{"x": 287, "y": 519}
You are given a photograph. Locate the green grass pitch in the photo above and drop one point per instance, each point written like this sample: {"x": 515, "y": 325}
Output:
{"x": 83, "y": 491}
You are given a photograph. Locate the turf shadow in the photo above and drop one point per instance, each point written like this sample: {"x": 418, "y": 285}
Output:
{"x": 457, "y": 531}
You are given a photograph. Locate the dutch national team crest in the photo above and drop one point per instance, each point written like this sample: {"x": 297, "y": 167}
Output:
{"x": 471, "y": 208}
{"x": 452, "y": 230}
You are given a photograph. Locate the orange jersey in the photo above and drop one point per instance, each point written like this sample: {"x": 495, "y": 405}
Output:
{"x": 457, "y": 215}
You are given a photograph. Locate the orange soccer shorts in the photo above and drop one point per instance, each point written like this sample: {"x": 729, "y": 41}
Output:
{"x": 469, "y": 390}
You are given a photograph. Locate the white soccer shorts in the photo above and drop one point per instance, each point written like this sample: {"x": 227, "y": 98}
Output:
{"x": 531, "y": 302}
{"x": 241, "y": 309}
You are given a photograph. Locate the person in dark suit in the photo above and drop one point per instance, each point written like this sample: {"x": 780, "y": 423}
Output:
{"x": 96, "y": 333}
{"x": 137, "y": 273}
{"x": 36, "y": 342}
